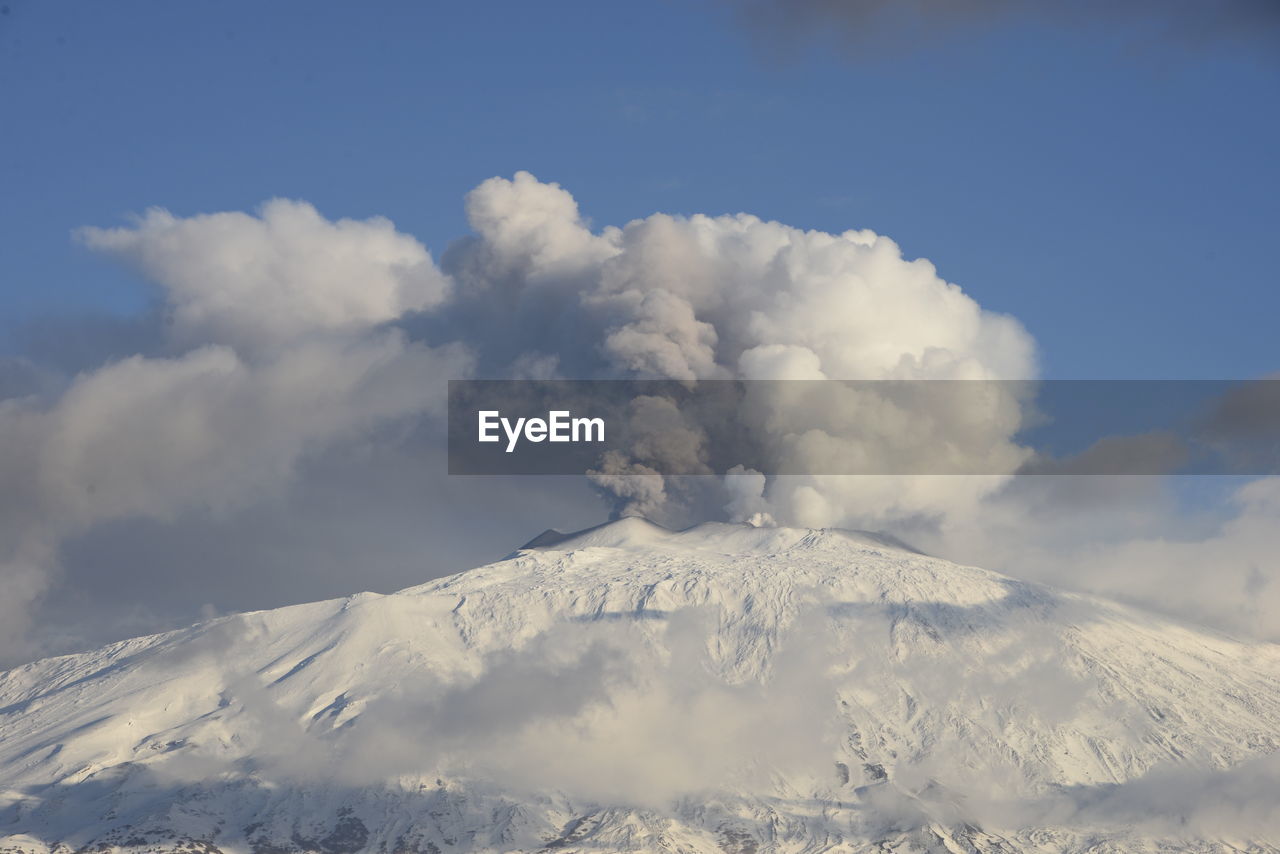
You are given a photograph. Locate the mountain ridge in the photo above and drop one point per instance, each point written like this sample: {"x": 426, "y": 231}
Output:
{"x": 630, "y": 529}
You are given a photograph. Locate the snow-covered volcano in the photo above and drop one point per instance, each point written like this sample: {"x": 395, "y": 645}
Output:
{"x": 721, "y": 689}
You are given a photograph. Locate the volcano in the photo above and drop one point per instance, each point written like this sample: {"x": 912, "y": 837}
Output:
{"x": 724, "y": 689}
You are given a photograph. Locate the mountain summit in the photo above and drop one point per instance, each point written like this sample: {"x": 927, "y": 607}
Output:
{"x": 630, "y": 688}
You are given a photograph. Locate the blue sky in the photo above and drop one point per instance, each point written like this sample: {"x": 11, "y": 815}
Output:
{"x": 1116, "y": 192}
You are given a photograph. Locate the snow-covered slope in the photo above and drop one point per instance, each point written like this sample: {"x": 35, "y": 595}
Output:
{"x": 722, "y": 689}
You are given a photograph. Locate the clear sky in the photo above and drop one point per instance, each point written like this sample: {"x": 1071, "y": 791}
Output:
{"x": 1115, "y": 190}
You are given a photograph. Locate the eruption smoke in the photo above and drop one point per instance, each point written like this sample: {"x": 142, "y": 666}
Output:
{"x": 736, "y": 297}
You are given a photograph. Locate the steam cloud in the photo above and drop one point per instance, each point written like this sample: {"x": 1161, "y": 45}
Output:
{"x": 275, "y": 324}
{"x": 734, "y": 297}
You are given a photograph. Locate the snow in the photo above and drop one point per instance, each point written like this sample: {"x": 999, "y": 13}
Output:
{"x": 628, "y": 688}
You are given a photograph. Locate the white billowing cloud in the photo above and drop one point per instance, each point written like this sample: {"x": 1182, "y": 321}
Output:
{"x": 283, "y": 315}
{"x": 147, "y": 437}
{"x": 1131, "y": 538}
{"x": 1228, "y": 578}
{"x": 604, "y": 713}
{"x": 530, "y": 230}
{"x": 259, "y": 281}
{"x": 862, "y": 310}
{"x": 680, "y": 298}
{"x": 780, "y": 362}
{"x": 725, "y": 297}
{"x": 674, "y": 727}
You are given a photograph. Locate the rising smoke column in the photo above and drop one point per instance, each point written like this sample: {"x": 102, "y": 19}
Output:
{"x": 538, "y": 294}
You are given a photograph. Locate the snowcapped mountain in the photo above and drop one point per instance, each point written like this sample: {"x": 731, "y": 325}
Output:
{"x": 628, "y": 688}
